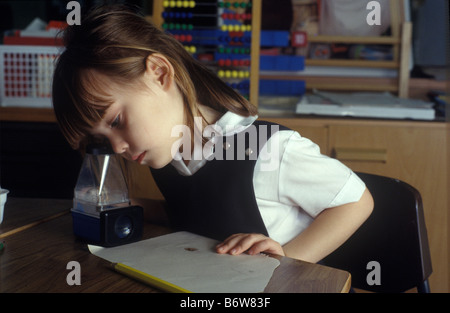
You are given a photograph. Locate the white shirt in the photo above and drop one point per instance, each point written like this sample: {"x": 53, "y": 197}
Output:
{"x": 293, "y": 184}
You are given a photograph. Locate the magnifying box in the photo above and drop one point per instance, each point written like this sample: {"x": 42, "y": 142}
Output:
{"x": 101, "y": 213}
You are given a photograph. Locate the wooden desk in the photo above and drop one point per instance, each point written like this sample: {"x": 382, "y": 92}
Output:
{"x": 23, "y": 213}
{"x": 35, "y": 260}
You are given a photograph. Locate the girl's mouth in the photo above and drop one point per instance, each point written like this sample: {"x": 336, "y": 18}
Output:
{"x": 139, "y": 158}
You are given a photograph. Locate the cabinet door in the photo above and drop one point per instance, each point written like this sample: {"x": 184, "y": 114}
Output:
{"x": 416, "y": 155}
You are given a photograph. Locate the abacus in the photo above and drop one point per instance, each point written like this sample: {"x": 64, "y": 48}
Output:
{"x": 220, "y": 34}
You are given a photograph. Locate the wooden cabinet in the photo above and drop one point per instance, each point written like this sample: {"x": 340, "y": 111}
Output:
{"x": 414, "y": 152}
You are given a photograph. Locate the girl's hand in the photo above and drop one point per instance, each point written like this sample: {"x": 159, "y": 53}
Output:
{"x": 250, "y": 243}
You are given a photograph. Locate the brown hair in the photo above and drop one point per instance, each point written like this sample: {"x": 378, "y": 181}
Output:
{"x": 116, "y": 41}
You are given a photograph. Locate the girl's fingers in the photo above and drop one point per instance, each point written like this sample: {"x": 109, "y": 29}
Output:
{"x": 266, "y": 245}
{"x": 229, "y": 244}
{"x": 254, "y": 243}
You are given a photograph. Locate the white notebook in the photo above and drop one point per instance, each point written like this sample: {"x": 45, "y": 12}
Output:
{"x": 189, "y": 261}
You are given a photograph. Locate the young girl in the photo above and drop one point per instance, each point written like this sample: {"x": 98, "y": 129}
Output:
{"x": 124, "y": 79}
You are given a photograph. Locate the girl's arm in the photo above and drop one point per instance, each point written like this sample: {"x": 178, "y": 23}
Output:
{"x": 330, "y": 230}
{"x": 325, "y": 234}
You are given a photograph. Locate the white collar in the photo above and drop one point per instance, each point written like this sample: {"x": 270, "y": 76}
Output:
{"x": 229, "y": 124}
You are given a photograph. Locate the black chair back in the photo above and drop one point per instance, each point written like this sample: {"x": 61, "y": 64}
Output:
{"x": 389, "y": 252}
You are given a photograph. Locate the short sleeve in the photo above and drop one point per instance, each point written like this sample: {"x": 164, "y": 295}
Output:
{"x": 314, "y": 181}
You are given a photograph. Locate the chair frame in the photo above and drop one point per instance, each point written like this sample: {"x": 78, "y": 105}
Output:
{"x": 394, "y": 235}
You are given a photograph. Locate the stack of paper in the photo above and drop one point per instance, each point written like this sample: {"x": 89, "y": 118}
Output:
{"x": 375, "y": 105}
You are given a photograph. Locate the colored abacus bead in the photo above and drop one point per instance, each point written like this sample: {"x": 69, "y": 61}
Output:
{"x": 191, "y": 49}
{"x": 179, "y": 4}
{"x": 224, "y": 4}
{"x": 236, "y": 5}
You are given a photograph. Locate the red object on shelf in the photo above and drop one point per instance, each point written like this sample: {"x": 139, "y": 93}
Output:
{"x": 299, "y": 39}
{"x": 56, "y": 25}
{"x": 16, "y": 39}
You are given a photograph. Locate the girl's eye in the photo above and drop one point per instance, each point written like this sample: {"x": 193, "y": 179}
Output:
{"x": 116, "y": 122}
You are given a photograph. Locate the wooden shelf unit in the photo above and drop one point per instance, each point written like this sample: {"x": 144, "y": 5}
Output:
{"x": 25, "y": 114}
{"x": 381, "y": 40}
{"x": 400, "y": 39}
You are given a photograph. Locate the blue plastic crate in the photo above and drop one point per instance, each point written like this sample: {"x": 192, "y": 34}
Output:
{"x": 269, "y": 87}
{"x": 272, "y": 38}
{"x": 282, "y": 63}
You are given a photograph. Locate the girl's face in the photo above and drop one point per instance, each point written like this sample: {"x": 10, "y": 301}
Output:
{"x": 139, "y": 123}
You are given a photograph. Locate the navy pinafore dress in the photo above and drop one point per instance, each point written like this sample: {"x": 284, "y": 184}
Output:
{"x": 218, "y": 200}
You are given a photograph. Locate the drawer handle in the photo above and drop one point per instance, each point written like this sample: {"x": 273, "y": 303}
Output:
{"x": 361, "y": 154}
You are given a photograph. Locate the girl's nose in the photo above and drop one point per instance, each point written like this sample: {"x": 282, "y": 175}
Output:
{"x": 118, "y": 144}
